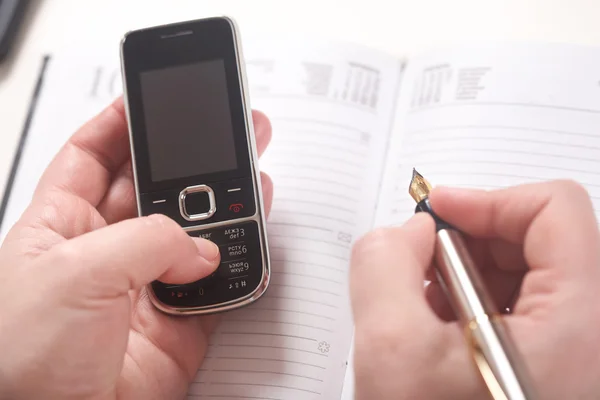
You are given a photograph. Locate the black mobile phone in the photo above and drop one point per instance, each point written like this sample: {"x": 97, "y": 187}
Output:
{"x": 194, "y": 155}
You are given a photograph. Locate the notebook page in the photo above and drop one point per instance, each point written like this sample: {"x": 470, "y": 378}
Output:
{"x": 496, "y": 116}
{"x": 331, "y": 109}
{"x": 76, "y": 85}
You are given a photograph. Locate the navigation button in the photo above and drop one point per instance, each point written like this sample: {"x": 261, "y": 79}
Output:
{"x": 197, "y": 203}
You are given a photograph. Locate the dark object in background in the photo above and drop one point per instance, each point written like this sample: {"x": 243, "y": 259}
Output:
{"x": 11, "y": 16}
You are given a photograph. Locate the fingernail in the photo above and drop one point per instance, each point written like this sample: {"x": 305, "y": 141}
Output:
{"x": 207, "y": 249}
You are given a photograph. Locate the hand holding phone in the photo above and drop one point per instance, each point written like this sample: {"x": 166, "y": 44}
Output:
{"x": 194, "y": 156}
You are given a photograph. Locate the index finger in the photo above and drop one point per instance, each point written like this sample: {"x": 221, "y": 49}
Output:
{"x": 87, "y": 162}
{"x": 553, "y": 220}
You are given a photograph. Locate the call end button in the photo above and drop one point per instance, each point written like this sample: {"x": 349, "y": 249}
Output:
{"x": 197, "y": 203}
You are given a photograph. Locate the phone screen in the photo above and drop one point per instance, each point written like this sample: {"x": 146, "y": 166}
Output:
{"x": 188, "y": 120}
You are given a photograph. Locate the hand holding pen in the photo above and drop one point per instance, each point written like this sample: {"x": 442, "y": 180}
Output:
{"x": 537, "y": 248}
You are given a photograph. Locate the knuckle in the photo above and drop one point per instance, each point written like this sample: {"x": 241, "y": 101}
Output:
{"x": 374, "y": 241}
{"x": 265, "y": 178}
{"x": 380, "y": 241}
{"x": 66, "y": 253}
{"x": 382, "y": 338}
{"x": 166, "y": 232}
{"x": 261, "y": 119}
{"x": 267, "y": 127}
{"x": 160, "y": 222}
{"x": 571, "y": 187}
{"x": 385, "y": 334}
{"x": 573, "y": 192}
{"x": 266, "y": 183}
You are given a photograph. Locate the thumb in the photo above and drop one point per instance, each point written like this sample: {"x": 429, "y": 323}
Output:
{"x": 388, "y": 272}
{"x": 133, "y": 253}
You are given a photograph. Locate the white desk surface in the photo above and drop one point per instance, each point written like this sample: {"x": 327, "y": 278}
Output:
{"x": 402, "y": 27}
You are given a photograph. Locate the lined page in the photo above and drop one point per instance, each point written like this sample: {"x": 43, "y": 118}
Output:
{"x": 496, "y": 116}
{"x": 331, "y": 108}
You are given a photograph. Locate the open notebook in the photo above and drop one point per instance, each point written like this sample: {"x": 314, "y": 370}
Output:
{"x": 349, "y": 124}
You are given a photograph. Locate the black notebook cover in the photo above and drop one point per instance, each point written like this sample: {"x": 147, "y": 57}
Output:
{"x": 23, "y": 138}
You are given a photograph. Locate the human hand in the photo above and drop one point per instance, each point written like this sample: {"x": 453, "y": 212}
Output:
{"x": 76, "y": 321}
{"x": 407, "y": 342}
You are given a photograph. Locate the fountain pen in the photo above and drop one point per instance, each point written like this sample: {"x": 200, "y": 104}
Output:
{"x": 491, "y": 345}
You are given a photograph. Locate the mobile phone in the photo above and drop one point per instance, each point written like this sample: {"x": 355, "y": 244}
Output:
{"x": 194, "y": 155}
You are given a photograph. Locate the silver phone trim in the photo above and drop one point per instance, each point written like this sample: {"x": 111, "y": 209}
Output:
{"x": 195, "y": 189}
{"x": 259, "y": 215}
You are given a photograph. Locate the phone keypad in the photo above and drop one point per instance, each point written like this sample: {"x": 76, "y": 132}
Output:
{"x": 239, "y": 272}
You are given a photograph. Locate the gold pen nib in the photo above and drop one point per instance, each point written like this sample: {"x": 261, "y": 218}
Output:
{"x": 419, "y": 188}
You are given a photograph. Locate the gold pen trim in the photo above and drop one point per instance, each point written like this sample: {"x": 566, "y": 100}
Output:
{"x": 487, "y": 374}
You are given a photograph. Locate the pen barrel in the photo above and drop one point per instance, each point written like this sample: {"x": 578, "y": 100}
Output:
{"x": 461, "y": 278}
{"x": 497, "y": 358}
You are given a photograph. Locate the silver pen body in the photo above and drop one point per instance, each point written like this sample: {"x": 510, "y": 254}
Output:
{"x": 496, "y": 356}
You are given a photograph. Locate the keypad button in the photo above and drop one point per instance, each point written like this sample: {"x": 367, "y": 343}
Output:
{"x": 234, "y": 268}
{"x": 235, "y": 199}
{"x": 165, "y": 203}
{"x": 197, "y": 203}
{"x": 234, "y": 233}
{"x": 235, "y": 250}
{"x": 239, "y": 273}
